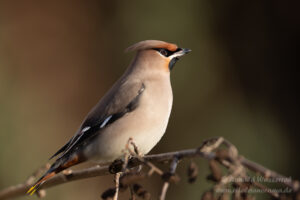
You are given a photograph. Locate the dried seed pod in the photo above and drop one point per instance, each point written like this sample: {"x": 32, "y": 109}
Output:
{"x": 216, "y": 171}
{"x": 170, "y": 177}
{"x": 208, "y": 195}
{"x": 192, "y": 172}
{"x": 116, "y": 166}
{"x": 141, "y": 192}
{"x": 108, "y": 194}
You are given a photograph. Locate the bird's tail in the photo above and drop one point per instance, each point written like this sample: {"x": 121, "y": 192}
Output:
{"x": 58, "y": 166}
{"x": 45, "y": 177}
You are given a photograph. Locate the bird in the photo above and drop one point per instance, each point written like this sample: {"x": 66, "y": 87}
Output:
{"x": 137, "y": 106}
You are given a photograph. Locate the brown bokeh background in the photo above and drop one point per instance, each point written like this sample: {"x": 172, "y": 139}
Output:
{"x": 57, "y": 59}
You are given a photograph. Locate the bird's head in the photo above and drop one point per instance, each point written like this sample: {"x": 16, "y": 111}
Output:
{"x": 161, "y": 54}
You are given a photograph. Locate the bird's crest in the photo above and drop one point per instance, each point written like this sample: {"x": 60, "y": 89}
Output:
{"x": 151, "y": 44}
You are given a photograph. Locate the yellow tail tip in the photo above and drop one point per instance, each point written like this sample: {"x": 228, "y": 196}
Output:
{"x": 32, "y": 190}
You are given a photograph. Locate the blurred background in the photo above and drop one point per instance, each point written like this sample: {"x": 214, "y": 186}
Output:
{"x": 58, "y": 58}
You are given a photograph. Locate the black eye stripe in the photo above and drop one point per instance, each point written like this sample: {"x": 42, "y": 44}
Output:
{"x": 164, "y": 52}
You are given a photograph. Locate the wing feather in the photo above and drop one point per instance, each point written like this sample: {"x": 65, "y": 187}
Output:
{"x": 104, "y": 114}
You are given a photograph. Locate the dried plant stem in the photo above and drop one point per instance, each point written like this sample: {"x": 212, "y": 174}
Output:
{"x": 117, "y": 182}
{"x": 164, "y": 191}
{"x": 166, "y": 184}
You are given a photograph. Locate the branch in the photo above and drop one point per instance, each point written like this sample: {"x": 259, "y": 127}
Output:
{"x": 205, "y": 151}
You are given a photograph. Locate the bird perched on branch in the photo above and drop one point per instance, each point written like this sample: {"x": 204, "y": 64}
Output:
{"x": 137, "y": 106}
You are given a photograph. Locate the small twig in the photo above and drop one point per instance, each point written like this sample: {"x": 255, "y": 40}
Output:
{"x": 211, "y": 144}
{"x": 164, "y": 191}
{"x": 267, "y": 173}
{"x": 117, "y": 183}
{"x": 166, "y": 184}
{"x": 173, "y": 165}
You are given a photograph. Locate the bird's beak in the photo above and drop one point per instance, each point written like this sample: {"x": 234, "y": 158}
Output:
{"x": 176, "y": 55}
{"x": 183, "y": 51}
{"x": 180, "y": 52}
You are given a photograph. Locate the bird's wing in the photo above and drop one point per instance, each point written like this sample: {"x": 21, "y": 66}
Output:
{"x": 119, "y": 101}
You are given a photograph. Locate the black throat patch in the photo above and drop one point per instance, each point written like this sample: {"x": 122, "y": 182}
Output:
{"x": 172, "y": 63}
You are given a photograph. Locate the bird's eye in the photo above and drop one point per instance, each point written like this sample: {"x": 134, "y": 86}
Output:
{"x": 163, "y": 52}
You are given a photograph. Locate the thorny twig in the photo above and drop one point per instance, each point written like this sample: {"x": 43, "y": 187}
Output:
{"x": 207, "y": 151}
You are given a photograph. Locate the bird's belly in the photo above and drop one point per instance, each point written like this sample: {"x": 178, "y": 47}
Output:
{"x": 145, "y": 125}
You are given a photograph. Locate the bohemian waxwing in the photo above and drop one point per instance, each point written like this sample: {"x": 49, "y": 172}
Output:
{"x": 137, "y": 106}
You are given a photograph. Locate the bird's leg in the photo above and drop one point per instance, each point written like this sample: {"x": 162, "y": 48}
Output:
{"x": 126, "y": 160}
{"x": 120, "y": 173}
{"x": 135, "y": 151}
{"x": 139, "y": 156}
